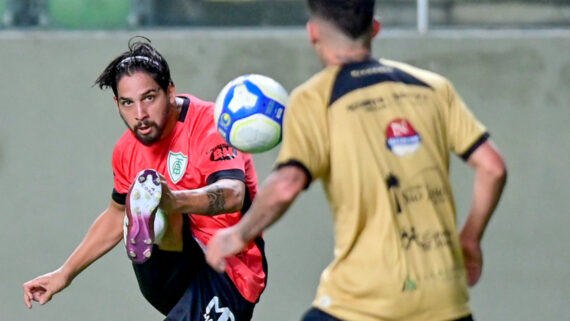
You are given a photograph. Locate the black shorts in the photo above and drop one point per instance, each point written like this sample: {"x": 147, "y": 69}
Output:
{"x": 182, "y": 286}
{"x": 317, "y": 315}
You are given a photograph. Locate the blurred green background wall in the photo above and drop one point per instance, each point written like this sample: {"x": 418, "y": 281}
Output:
{"x": 57, "y": 133}
{"x": 118, "y": 14}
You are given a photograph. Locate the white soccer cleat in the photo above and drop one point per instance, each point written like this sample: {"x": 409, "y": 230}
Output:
{"x": 142, "y": 204}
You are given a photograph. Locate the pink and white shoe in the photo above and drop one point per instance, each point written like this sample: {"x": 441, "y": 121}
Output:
{"x": 142, "y": 203}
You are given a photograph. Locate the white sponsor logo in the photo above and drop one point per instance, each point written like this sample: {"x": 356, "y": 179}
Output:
{"x": 325, "y": 301}
{"x": 371, "y": 71}
{"x": 222, "y": 313}
{"x": 400, "y": 128}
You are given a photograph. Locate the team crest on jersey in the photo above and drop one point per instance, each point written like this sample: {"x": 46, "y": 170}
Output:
{"x": 177, "y": 163}
{"x": 402, "y": 138}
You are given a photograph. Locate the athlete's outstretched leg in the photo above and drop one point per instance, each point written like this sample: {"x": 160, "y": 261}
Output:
{"x": 145, "y": 223}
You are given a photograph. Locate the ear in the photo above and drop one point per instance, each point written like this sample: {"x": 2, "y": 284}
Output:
{"x": 313, "y": 32}
{"x": 376, "y": 26}
{"x": 116, "y": 100}
{"x": 171, "y": 92}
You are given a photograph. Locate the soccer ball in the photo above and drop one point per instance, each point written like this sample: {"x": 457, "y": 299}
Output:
{"x": 249, "y": 113}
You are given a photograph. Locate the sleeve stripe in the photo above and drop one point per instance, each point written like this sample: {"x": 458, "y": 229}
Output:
{"x": 475, "y": 145}
{"x": 119, "y": 197}
{"x": 227, "y": 174}
{"x": 300, "y": 165}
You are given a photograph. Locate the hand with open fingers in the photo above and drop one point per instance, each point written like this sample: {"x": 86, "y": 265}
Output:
{"x": 225, "y": 243}
{"x": 473, "y": 257}
{"x": 42, "y": 288}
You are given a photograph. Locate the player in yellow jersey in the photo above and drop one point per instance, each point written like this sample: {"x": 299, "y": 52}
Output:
{"x": 379, "y": 134}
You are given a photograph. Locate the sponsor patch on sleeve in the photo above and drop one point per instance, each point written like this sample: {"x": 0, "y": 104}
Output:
{"x": 222, "y": 152}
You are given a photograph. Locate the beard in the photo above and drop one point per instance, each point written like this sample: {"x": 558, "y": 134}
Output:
{"x": 152, "y": 137}
{"x": 147, "y": 139}
{"x": 156, "y": 129}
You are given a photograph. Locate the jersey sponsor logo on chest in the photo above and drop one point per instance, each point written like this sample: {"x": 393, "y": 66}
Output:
{"x": 177, "y": 163}
{"x": 402, "y": 138}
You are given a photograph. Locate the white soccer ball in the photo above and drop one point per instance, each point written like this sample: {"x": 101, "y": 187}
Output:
{"x": 249, "y": 113}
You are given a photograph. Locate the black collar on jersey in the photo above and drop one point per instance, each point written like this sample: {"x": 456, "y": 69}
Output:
{"x": 184, "y": 109}
{"x": 366, "y": 73}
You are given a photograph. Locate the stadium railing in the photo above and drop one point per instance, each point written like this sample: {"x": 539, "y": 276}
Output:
{"x": 417, "y": 14}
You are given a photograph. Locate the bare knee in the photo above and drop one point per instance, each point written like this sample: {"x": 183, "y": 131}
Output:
{"x": 171, "y": 239}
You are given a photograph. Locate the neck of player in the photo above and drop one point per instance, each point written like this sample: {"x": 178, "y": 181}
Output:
{"x": 173, "y": 116}
{"x": 334, "y": 47}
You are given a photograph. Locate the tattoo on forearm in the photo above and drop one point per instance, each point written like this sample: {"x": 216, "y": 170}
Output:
{"x": 217, "y": 202}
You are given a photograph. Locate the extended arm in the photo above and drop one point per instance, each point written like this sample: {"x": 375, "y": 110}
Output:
{"x": 490, "y": 178}
{"x": 278, "y": 192}
{"x": 223, "y": 196}
{"x": 102, "y": 236}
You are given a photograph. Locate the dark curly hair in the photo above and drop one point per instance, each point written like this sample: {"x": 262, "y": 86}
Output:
{"x": 353, "y": 17}
{"x": 141, "y": 56}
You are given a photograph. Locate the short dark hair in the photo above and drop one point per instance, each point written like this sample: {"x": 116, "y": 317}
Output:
{"x": 141, "y": 56}
{"x": 352, "y": 17}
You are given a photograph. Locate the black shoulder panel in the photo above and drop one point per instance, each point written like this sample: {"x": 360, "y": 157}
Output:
{"x": 362, "y": 74}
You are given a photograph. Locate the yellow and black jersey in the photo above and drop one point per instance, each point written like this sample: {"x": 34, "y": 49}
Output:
{"x": 379, "y": 134}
